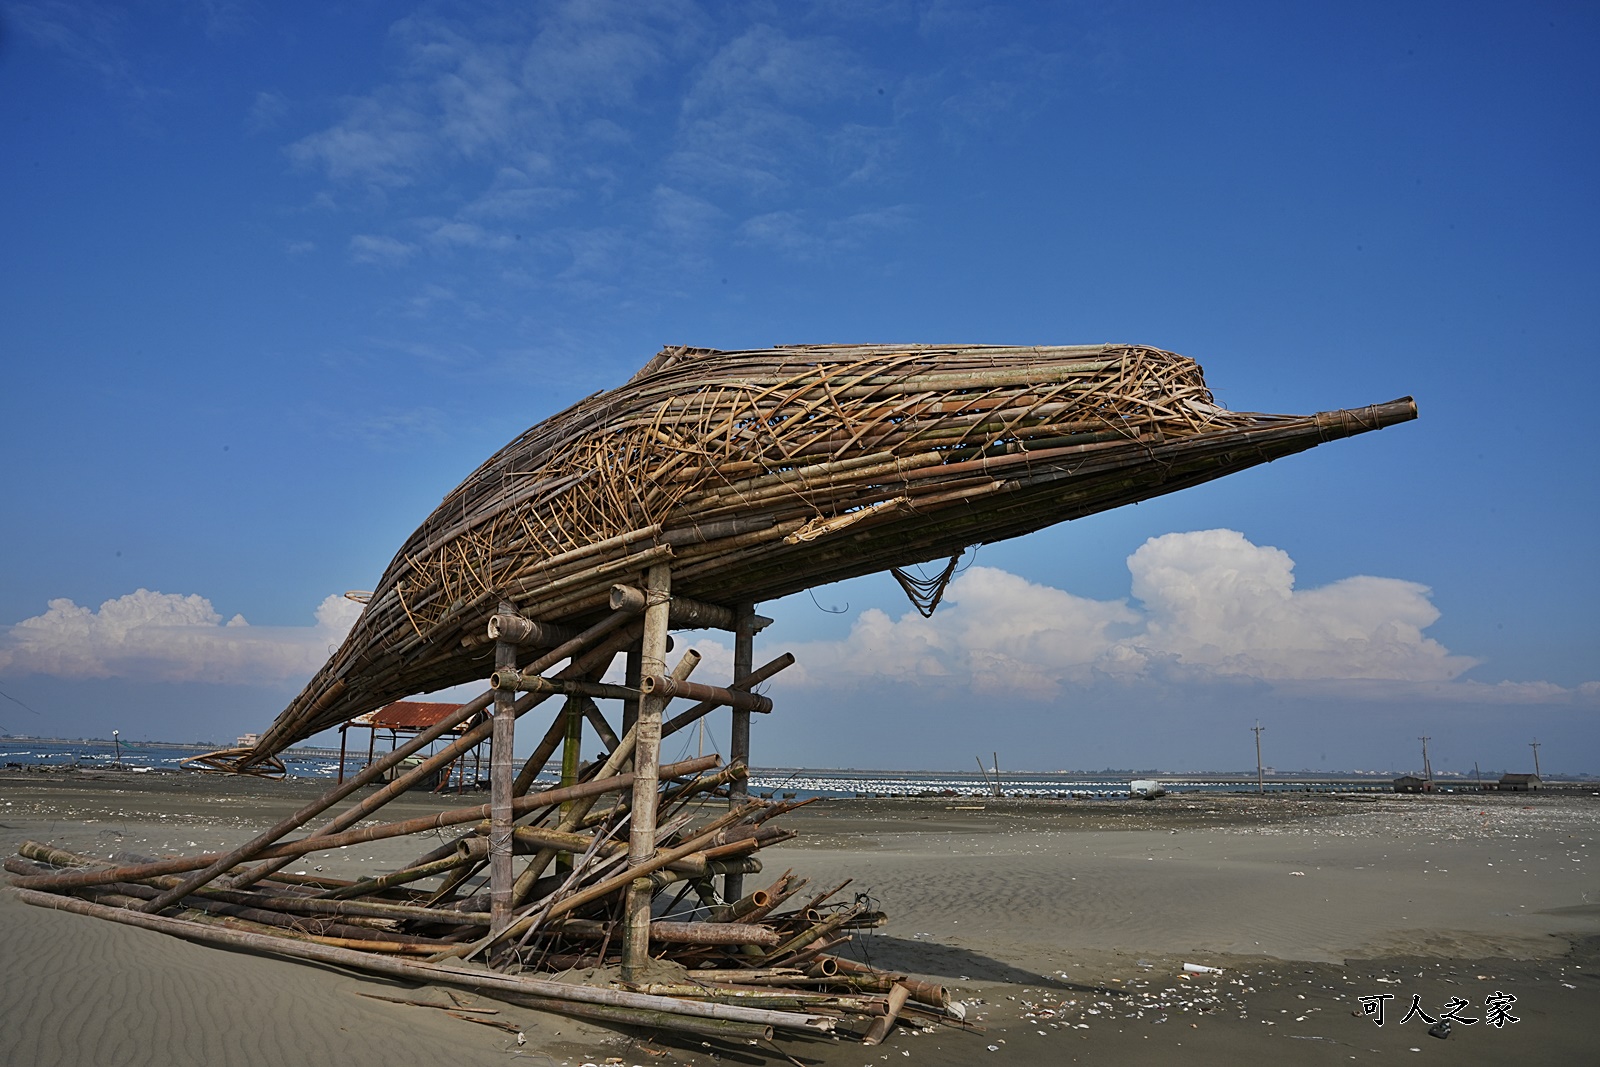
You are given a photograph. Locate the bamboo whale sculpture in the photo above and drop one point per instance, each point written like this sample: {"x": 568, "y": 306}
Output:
{"x": 762, "y": 473}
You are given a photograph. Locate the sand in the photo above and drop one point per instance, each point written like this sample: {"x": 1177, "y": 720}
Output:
{"x": 1064, "y": 926}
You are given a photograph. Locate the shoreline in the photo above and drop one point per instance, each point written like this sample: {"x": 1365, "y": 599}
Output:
{"x": 1064, "y": 925}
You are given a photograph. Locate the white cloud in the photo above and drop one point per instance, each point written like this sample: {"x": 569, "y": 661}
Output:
{"x": 89, "y": 35}
{"x": 379, "y": 250}
{"x": 794, "y": 234}
{"x": 383, "y": 141}
{"x": 1215, "y": 600}
{"x": 467, "y": 235}
{"x": 1210, "y": 608}
{"x": 651, "y": 130}
{"x": 759, "y": 117}
{"x": 170, "y": 637}
{"x": 267, "y": 110}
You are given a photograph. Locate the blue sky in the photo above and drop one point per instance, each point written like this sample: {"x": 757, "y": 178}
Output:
{"x": 273, "y": 278}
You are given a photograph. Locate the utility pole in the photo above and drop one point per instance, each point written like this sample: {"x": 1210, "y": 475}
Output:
{"x": 1260, "y": 783}
{"x": 1534, "y": 744}
{"x": 1427, "y": 768}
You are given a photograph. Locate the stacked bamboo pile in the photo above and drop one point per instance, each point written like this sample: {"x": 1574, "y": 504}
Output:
{"x": 739, "y": 969}
{"x": 757, "y": 474}
{"x": 627, "y": 861}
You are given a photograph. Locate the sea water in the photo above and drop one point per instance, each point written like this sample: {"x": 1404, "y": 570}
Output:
{"x": 782, "y": 783}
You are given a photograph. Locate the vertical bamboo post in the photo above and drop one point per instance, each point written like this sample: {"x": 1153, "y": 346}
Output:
{"x": 501, "y": 776}
{"x": 646, "y": 757}
{"x": 744, "y": 643}
{"x": 632, "y": 676}
{"x": 344, "y": 736}
{"x": 570, "y": 745}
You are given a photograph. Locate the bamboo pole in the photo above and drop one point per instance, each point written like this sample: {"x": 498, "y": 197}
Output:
{"x": 310, "y": 811}
{"x": 739, "y": 730}
{"x": 591, "y": 711}
{"x": 743, "y": 684}
{"x": 512, "y": 680}
{"x": 631, "y": 878}
{"x": 285, "y": 826}
{"x": 252, "y": 912}
{"x": 303, "y": 846}
{"x": 646, "y": 1019}
{"x": 404, "y": 876}
{"x": 677, "y": 933}
{"x": 688, "y": 613}
{"x": 488, "y": 982}
{"x": 884, "y": 1023}
{"x": 665, "y": 688}
{"x": 813, "y": 933}
{"x": 646, "y": 750}
{"x": 501, "y": 779}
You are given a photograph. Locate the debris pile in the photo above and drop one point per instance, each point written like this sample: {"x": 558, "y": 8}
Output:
{"x": 738, "y": 969}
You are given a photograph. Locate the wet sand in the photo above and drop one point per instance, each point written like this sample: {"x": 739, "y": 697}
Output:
{"x": 1063, "y": 925}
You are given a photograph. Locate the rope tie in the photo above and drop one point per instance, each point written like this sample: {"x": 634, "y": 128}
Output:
{"x": 925, "y": 593}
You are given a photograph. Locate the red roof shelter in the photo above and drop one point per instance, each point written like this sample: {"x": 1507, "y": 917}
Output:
{"x": 407, "y": 718}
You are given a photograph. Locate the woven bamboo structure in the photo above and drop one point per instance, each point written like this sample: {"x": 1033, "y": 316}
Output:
{"x": 709, "y": 482}
{"x": 762, "y": 473}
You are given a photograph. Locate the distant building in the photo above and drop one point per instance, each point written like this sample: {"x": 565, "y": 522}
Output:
{"x": 1520, "y": 783}
{"x": 1410, "y": 783}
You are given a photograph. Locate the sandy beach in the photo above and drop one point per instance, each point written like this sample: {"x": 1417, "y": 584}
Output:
{"x": 1064, "y": 926}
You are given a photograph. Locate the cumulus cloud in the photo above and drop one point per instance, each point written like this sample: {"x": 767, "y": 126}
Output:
{"x": 1214, "y": 600}
{"x": 170, "y": 637}
{"x": 1208, "y": 607}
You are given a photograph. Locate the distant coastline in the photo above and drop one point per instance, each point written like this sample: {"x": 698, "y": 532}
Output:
{"x": 1198, "y": 777}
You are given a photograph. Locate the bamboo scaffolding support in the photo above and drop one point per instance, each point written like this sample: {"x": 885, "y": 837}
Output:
{"x": 744, "y": 683}
{"x": 646, "y": 747}
{"x": 501, "y": 779}
{"x": 710, "y": 482}
{"x": 665, "y": 687}
{"x": 688, "y": 613}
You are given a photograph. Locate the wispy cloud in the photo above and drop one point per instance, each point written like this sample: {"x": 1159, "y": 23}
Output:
{"x": 758, "y": 117}
{"x": 383, "y": 141}
{"x": 799, "y": 235}
{"x": 608, "y": 145}
{"x": 89, "y": 35}
{"x": 394, "y": 430}
{"x": 446, "y": 233}
{"x": 170, "y": 637}
{"x": 380, "y": 250}
{"x": 267, "y": 111}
